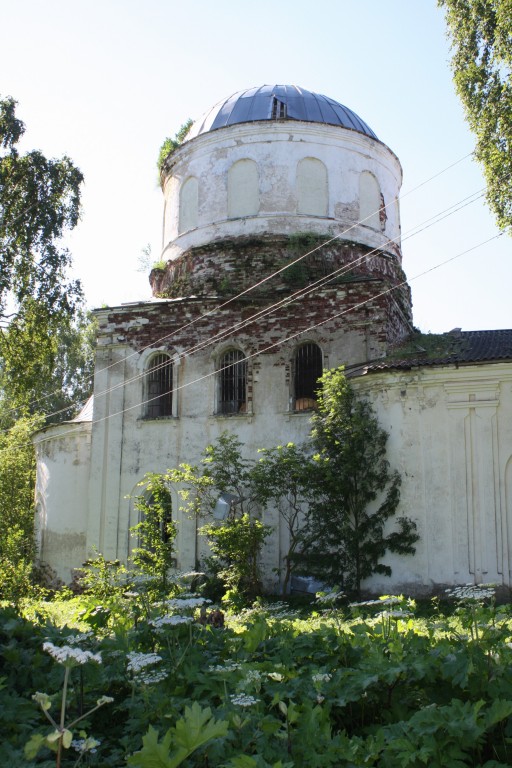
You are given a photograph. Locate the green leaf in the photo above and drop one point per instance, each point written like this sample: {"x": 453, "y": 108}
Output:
{"x": 242, "y": 761}
{"x": 499, "y": 710}
{"x": 191, "y": 732}
{"x": 197, "y": 727}
{"x": 67, "y": 737}
{"x": 153, "y": 754}
{"x": 33, "y": 745}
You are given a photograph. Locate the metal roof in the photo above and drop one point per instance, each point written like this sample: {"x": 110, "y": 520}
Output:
{"x": 454, "y": 348}
{"x": 278, "y": 102}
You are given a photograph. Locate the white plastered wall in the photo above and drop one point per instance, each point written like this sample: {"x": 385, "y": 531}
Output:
{"x": 450, "y": 437}
{"x": 63, "y": 464}
{"x": 277, "y": 149}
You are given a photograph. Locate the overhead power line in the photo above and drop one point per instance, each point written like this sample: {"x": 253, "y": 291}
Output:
{"x": 67, "y": 431}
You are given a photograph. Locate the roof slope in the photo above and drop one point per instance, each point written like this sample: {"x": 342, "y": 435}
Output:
{"x": 278, "y": 102}
{"x": 454, "y": 348}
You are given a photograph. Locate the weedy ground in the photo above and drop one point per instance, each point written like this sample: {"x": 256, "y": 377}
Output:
{"x": 151, "y": 684}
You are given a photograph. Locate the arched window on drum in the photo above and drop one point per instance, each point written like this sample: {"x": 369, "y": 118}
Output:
{"x": 312, "y": 187}
{"x": 372, "y": 212}
{"x": 243, "y": 189}
{"x": 189, "y": 203}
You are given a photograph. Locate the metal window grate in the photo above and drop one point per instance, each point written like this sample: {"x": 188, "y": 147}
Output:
{"x": 232, "y": 382}
{"x": 159, "y": 385}
{"x": 307, "y": 371}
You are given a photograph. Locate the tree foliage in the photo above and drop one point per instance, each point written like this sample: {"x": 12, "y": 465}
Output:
{"x": 282, "y": 478}
{"x": 42, "y": 325}
{"x": 335, "y": 498}
{"x": 17, "y": 478}
{"x": 237, "y": 540}
{"x": 39, "y": 201}
{"x": 42, "y": 371}
{"x": 354, "y": 492}
{"x": 155, "y": 532}
{"x": 481, "y": 35}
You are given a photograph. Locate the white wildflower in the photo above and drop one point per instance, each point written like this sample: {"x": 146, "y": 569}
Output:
{"x": 253, "y": 676}
{"x": 85, "y": 745}
{"x": 229, "y": 666}
{"x": 139, "y": 661}
{"x": 188, "y": 602}
{"x": 171, "y": 621}
{"x": 394, "y": 615}
{"x": 321, "y": 677}
{"x": 371, "y": 603}
{"x": 104, "y": 700}
{"x": 243, "y": 700}
{"x": 42, "y": 699}
{"x": 328, "y": 597}
{"x": 472, "y": 592}
{"x": 66, "y": 654}
{"x": 152, "y": 676}
{"x": 81, "y": 638}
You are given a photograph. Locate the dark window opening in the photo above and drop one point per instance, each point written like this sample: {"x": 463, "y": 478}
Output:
{"x": 278, "y": 109}
{"x": 232, "y": 383}
{"x": 159, "y": 385}
{"x": 307, "y": 370}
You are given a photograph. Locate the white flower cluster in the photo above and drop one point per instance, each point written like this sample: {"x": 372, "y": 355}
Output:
{"x": 395, "y": 615}
{"x": 229, "y": 666}
{"x": 243, "y": 700}
{"x": 328, "y": 597}
{"x": 472, "y": 592}
{"x": 187, "y": 602}
{"x": 139, "y": 661}
{"x": 280, "y": 610}
{"x": 370, "y": 603}
{"x": 274, "y": 607}
{"x": 85, "y": 745}
{"x": 68, "y": 654}
{"x": 104, "y": 700}
{"x": 170, "y": 621}
{"x": 321, "y": 677}
{"x": 253, "y": 676}
{"x": 83, "y": 637}
{"x": 151, "y": 676}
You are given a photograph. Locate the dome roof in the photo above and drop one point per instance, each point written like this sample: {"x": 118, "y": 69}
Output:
{"x": 278, "y": 102}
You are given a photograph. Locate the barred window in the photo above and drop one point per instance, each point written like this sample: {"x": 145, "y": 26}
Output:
{"x": 159, "y": 385}
{"x": 306, "y": 372}
{"x": 232, "y": 383}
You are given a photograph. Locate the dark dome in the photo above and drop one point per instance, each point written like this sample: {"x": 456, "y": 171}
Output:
{"x": 278, "y": 102}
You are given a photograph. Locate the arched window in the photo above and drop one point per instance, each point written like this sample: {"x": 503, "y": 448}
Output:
{"x": 189, "y": 197}
{"x": 370, "y": 202}
{"x": 307, "y": 369}
{"x": 232, "y": 383}
{"x": 159, "y": 386}
{"x": 243, "y": 189}
{"x": 312, "y": 187}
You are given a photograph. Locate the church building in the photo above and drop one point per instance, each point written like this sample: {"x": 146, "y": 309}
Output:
{"x": 281, "y": 257}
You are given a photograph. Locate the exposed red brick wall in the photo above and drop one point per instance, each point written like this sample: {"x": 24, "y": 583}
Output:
{"x": 209, "y": 276}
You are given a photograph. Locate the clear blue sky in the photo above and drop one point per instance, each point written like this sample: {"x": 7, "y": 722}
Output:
{"x": 105, "y": 81}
